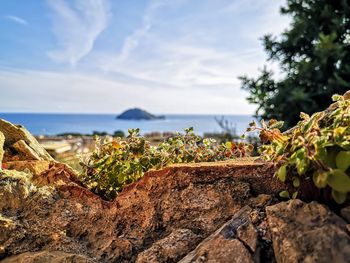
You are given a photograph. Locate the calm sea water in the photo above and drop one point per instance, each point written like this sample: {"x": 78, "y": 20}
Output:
{"x": 52, "y": 124}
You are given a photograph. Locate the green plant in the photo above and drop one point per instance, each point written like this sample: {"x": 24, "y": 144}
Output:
{"x": 316, "y": 149}
{"x": 313, "y": 54}
{"x": 116, "y": 163}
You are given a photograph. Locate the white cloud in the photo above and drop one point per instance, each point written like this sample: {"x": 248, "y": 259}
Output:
{"x": 43, "y": 91}
{"x": 76, "y": 27}
{"x": 17, "y": 19}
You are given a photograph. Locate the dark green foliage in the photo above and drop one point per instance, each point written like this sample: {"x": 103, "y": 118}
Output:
{"x": 119, "y": 133}
{"x": 98, "y": 133}
{"x": 314, "y": 57}
{"x": 317, "y": 149}
{"x": 117, "y": 163}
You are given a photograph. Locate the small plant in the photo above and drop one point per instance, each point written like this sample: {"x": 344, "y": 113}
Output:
{"x": 316, "y": 149}
{"x": 116, "y": 163}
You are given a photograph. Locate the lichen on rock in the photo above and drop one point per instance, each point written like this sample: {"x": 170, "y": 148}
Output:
{"x": 24, "y": 144}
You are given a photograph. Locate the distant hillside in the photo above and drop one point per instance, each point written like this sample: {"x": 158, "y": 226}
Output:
{"x": 138, "y": 114}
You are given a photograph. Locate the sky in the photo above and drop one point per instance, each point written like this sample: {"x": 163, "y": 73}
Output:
{"x": 105, "y": 56}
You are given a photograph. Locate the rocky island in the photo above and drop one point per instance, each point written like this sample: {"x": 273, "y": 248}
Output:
{"x": 138, "y": 114}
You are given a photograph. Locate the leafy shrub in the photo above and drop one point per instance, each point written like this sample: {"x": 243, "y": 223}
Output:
{"x": 317, "y": 149}
{"x": 117, "y": 163}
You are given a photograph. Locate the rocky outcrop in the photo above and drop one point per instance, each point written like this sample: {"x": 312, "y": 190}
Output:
{"x": 20, "y": 144}
{"x": 194, "y": 213}
{"x": 307, "y": 233}
{"x": 206, "y": 212}
{"x": 162, "y": 217}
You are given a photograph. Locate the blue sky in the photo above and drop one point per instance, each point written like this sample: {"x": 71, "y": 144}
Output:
{"x": 103, "y": 56}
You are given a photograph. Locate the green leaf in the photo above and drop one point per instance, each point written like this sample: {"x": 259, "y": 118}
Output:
{"x": 295, "y": 194}
{"x": 281, "y": 173}
{"x": 277, "y": 125}
{"x": 343, "y": 160}
{"x": 339, "y": 181}
{"x": 252, "y": 124}
{"x": 336, "y": 97}
{"x": 320, "y": 179}
{"x": 302, "y": 165}
{"x": 304, "y": 116}
{"x": 296, "y": 182}
{"x": 330, "y": 158}
{"x": 338, "y": 196}
{"x": 284, "y": 194}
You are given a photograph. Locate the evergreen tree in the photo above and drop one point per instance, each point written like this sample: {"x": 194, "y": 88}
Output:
{"x": 314, "y": 57}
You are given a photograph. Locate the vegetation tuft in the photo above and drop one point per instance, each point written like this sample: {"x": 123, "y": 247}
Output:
{"x": 118, "y": 162}
{"x": 316, "y": 150}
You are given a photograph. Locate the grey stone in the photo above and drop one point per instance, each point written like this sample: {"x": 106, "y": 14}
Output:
{"x": 304, "y": 232}
{"x": 234, "y": 242}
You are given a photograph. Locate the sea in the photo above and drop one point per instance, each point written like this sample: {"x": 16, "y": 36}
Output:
{"x": 53, "y": 124}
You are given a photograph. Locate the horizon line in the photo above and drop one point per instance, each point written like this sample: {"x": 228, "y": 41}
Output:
{"x": 108, "y": 113}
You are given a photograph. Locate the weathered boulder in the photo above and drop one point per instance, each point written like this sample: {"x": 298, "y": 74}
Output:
{"x": 19, "y": 142}
{"x": 2, "y": 142}
{"x": 47, "y": 256}
{"x": 304, "y": 232}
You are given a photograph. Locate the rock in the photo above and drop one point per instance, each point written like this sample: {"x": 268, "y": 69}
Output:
{"x": 345, "y": 213}
{"x": 14, "y": 133}
{"x": 2, "y": 141}
{"x": 33, "y": 167}
{"x": 174, "y": 208}
{"x": 235, "y": 241}
{"x": 25, "y": 151}
{"x": 304, "y": 232}
{"x": 171, "y": 248}
{"x": 47, "y": 257}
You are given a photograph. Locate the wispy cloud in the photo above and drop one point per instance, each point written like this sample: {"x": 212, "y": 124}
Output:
{"x": 17, "y": 19}
{"x": 205, "y": 54}
{"x": 76, "y": 26}
{"x": 132, "y": 41}
{"x": 187, "y": 52}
